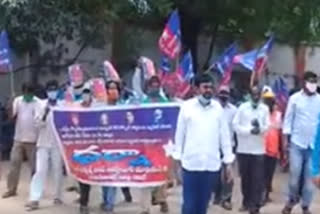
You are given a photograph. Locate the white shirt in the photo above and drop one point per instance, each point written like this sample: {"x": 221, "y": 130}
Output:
{"x": 201, "y": 134}
{"x": 242, "y": 124}
{"x": 229, "y": 111}
{"x": 301, "y": 119}
{"x": 25, "y": 129}
{"x": 46, "y": 137}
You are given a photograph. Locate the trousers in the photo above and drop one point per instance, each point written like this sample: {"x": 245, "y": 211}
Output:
{"x": 251, "y": 168}
{"x": 300, "y": 184}
{"x": 47, "y": 157}
{"x": 270, "y": 167}
{"x": 19, "y": 151}
{"x": 109, "y": 197}
{"x": 84, "y": 194}
{"x": 223, "y": 192}
{"x": 197, "y": 188}
{"x": 159, "y": 194}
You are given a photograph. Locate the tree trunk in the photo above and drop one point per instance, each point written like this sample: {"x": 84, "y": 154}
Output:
{"x": 211, "y": 46}
{"x": 190, "y": 35}
{"x": 117, "y": 43}
{"x": 299, "y": 63}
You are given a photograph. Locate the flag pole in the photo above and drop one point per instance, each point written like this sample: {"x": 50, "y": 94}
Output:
{"x": 12, "y": 85}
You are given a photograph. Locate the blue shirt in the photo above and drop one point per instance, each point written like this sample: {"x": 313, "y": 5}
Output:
{"x": 301, "y": 119}
{"x": 316, "y": 152}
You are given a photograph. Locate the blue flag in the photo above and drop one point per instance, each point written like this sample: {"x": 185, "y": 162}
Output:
{"x": 225, "y": 61}
{"x": 165, "y": 65}
{"x": 185, "y": 68}
{"x": 5, "y": 61}
{"x": 170, "y": 40}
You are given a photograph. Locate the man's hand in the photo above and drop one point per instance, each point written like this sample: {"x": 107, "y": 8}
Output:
{"x": 255, "y": 123}
{"x": 178, "y": 172}
{"x": 316, "y": 181}
{"x": 285, "y": 147}
{"x": 255, "y": 131}
{"x": 229, "y": 173}
{"x": 46, "y": 112}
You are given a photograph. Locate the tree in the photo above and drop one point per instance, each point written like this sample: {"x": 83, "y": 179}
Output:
{"x": 35, "y": 23}
{"x": 32, "y": 23}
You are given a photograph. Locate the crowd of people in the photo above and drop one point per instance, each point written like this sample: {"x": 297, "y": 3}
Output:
{"x": 211, "y": 135}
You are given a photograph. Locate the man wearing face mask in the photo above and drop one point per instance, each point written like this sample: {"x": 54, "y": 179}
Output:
{"x": 223, "y": 193}
{"x": 48, "y": 153}
{"x": 86, "y": 102}
{"x": 300, "y": 123}
{"x": 26, "y": 134}
{"x": 250, "y": 123}
{"x": 202, "y": 134}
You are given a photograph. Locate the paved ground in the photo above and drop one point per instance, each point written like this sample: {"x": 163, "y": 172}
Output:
{"x": 16, "y": 205}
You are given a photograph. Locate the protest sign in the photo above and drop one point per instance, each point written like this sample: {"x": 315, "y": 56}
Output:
{"x": 109, "y": 72}
{"x": 76, "y": 75}
{"x": 117, "y": 146}
{"x": 99, "y": 89}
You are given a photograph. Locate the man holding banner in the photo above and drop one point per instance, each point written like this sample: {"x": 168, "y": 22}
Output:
{"x": 202, "y": 132}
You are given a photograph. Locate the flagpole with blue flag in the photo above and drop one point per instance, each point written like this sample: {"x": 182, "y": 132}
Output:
{"x": 224, "y": 64}
{"x": 5, "y": 59}
{"x": 261, "y": 60}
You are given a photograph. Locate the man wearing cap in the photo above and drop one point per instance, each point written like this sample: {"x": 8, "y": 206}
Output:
{"x": 272, "y": 141}
{"x": 223, "y": 193}
{"x": 300, "y": 123}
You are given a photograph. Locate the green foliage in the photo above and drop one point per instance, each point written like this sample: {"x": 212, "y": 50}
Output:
{"x": 31, "y": 23}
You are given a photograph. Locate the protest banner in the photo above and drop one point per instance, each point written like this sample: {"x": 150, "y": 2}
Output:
{"x": 76, "y": 75}
{"x": 117, "y": 146}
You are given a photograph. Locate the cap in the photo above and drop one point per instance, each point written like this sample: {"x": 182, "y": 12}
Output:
{"x": 267, "y": 92}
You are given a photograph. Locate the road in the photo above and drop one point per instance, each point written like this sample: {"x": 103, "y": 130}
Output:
{"x": 16, "y": 205}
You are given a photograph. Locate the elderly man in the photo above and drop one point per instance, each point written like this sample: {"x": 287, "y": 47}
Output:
{"x": 26, "y": 134}
{"x": 250, "y": 123}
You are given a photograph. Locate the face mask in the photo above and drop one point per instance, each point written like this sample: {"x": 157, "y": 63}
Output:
{"x": 28, "y": 98}
{"x": 86, "y": 97}
{"x": 154, "y": 92}
{"x": 311, "y": 87}
{"x": 207, "y": 95}
{"x": 254, "y": 104}
{"x": 223, "y": 98}
{"x": 77, "y": 91}
{"x": 204, "y": 100}
{"x": 52, "y": 95}
{"x": 113, "y": 95}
